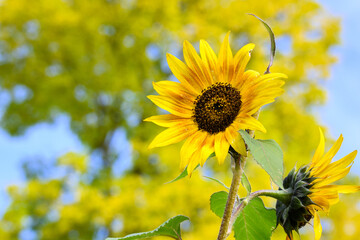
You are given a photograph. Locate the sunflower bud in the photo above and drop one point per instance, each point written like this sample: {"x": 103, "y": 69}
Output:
{"x": 293, "y": 213}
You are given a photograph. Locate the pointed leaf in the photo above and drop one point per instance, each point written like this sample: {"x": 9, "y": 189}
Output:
{"x": 218, "y": 203}
{"x": 170, "y": 228}
{"x": 255, "y": 222}
{"x": 218, "y": 181}
{"x": 182, "y": 175}
{"x": 272, "y": 41}
{"x": 245, "y": 182}
{"x": 268, "y": 154}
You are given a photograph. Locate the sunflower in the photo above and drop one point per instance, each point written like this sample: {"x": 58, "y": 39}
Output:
{"x": 312, "y": 189}
{"x": 214, "y": 98}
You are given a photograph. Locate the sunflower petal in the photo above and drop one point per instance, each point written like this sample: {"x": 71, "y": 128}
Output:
{"x": 260, "y": 87}
{"x": 210, "y": 59}
{"x": 194, "y": 161}
{"x": 167, "y": 120}
{"x": 250, "y": 107}
{"x": 331, "y": 179}
{"x": 184, "y": 74}
{"x": 317, "y": 226}
{"x": 322, "y": 201}
{"x": 186, "y": 151}
{"x": 237, "y": 142}
{"x": 226, "y": 60}
{"x": 242, "y": 58}
{"x": 174, "y": 90}
{"x": 339, "y": 165}
{"x": 207, "y": 149}
{"x": 331, "y": 196}
{"x": 175, "y": 107}
{"x": 248, "y": 122}
{"x": 191, "y": 145}
{"x": 172, "y": 135}
{"x": 221, "y": 147}
{"x": 319, "y": 151}
{"x": 326, "y": 159}
{"x": 344, "y": 188}
{"x": 272, "y": 76}
{"x": 247, "y": 77}
{"x": 193, "y": 60}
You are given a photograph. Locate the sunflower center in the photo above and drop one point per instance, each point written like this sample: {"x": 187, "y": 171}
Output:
{"x": 217, "y": 107}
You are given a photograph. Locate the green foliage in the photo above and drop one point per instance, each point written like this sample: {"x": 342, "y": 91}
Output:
{"x": 218, "y": 203}
{"x": 182, "y": 175}
{"x": 170, "y": 228}
{"x": 218, "y": 181}
{"x": 272, "y": 42}
{"x": 76, "y": 161}
{"x": 245, "y": 182}
{"x": 268, "y": 154}
{"x": 255, "y": 222}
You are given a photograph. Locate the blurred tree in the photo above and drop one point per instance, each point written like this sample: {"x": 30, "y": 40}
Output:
{"x": 95, "y": 60}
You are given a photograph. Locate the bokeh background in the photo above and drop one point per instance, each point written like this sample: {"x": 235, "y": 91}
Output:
{"x": 74, "y": 75}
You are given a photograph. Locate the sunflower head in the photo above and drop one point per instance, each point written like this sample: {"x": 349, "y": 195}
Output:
{"x": 214, "y": 98}
{"x": 312, "y": 190}
{"x": 294, "y": 214}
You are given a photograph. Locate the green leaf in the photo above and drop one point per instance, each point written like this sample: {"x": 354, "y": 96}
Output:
{"x": 245, "y": 182}
{"x": 185, "y": 173}
{"x": 182, "y": 175}
{"x": 218, "y": 181}
{"x": 272, "y": 40}
{"x": 268, "y": 154}
{"x": 255, "y": 222}
{"x": 170, "y": 228}
{"x": 218, "y": 203}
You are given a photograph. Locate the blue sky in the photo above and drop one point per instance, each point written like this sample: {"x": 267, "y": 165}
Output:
{"x": 44, "y": 140}
{"x": 341, "y": 114}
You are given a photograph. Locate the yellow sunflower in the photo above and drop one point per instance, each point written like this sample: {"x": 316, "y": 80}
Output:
{"x": 313, "y": 190}
{"x": 214, "y": 98}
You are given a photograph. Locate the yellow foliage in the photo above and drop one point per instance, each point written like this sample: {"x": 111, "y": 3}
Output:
{"x": 77, "y": 161}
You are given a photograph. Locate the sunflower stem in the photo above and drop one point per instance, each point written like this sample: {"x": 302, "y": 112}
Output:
{"x": 238, "y": 169}
{"x": 230, "y": 214}
{"x": 281, "y": 195}
{"x": 239, "y": 164}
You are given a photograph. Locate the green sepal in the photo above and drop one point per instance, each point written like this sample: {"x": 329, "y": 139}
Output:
{"x": 296, "y": 203}
{"x": 288, "y": 179}
{"x": 302, "y": 191}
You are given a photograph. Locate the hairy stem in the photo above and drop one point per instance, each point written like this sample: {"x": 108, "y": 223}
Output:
{"x": 239, "y": 162}
{"x": 281, "y": 195}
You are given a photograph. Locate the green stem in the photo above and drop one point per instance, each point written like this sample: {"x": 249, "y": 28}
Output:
{"x": 239, "y": 162}
{"x": 281, "y": 195}
{"x": 229, "y": 214}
